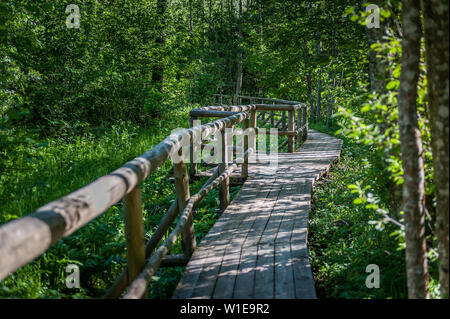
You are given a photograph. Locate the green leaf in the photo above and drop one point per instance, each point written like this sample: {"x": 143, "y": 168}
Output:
{"x": 359, "y": 201}
{"x": 392, "y": 84}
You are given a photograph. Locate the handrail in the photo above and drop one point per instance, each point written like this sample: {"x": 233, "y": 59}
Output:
{"x": 257, "y": 98}
{"x": 24, "y": 239}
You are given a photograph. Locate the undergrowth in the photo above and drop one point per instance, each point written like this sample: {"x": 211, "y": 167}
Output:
{"x": 343, "y": 235}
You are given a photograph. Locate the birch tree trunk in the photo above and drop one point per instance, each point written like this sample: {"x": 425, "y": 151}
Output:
{"x": 319, "y": 95}
{"x": 158, "y": 70}
{"x": 412, "y": 154}
{"x": 310, "y": 94}
{"x": 377, "y": 66}
{"x": 435, "y": 17}
{"x": 240, "y": 55}
{"x": 330, "y": 98}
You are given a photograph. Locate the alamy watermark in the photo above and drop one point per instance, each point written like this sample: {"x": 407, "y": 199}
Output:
{"x": 73, "y": 279}
{"x": 373, "y": 280}
{"x": 373, "y": 20}
{"x": 73, "y": 19}
{"x": 192, "y": 149}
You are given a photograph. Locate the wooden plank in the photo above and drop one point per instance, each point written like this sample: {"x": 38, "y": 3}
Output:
{"x": 244, "y": 286}
{"x": 227, "y": 275}
{"x": 284, "y": 273}
{"x": 264, "y": 272}
{"x": 185, "y": 288}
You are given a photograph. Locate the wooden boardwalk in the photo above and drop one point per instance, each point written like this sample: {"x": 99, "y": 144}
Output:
{"x": 257, "y": 248}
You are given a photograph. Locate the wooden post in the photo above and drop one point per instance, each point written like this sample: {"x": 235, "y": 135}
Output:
{"x": 299, "y": 125}
{"x": 245, "y": 126}
{"x": 283, "y": 121}
{"x": 305, "y": 124}
{"x": 183, "y": 195}
{"x": 192, "y": 165}
{"x": 220, "y": 99}
{"x": 134, "y": 233}
{"x": 224, "y": 187}
{"x": 253, "y": 124}
{"x": 291, "y": 127}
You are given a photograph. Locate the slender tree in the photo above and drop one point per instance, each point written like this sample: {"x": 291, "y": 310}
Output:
{"x": 435, "y": 16}
{"x": 412, "y": 149}
{"x": 158, "y": 70}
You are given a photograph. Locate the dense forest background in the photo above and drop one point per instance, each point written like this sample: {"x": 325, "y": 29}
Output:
{"x": 76, "y": 103}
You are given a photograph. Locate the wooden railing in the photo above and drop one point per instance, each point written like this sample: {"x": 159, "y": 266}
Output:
{"x": 24, "y": 239}
{"x": 291, "y": 125}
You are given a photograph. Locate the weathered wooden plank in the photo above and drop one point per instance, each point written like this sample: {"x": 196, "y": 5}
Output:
{"x": 264, "y": 272}
{"x": 284, "y": 273}
{"x": 227, "y": 275}
{"x": 244, "y": 285}
{"x": 303, "y": 280}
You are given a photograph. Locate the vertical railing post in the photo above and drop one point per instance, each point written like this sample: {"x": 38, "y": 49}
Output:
{"x": 253, "y": 126}
{"x": 283, "y": 121}
{"x": 272, "y": 118}
{"x": 134, "y": 233}
{"x": 299, "y": 127}
{"x": 192, "y": 160}
{"x": 305, "y": 123}
{"x": 245, "y": 127}
{"x": 291, "y": 128}
{"x": 183, "y": 195}
{"x": 224, "y": 187}
{"x": 220, "y": 99}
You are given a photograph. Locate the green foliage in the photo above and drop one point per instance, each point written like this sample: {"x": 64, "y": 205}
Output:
{"x": 77, "y": 103}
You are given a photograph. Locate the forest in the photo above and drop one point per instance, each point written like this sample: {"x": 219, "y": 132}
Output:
{"x": 86, "y": 86}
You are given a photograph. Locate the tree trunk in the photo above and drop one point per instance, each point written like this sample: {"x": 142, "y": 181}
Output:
{"x": 240, "y": 55}
{"x": 158, "y": 70}
{"x": 377, "y": 66}
{"x": 319, "y": 83}
{"x": 191, "y": 24}
{"x": 330, "y": 99}
{"x": 435, "y": 15}
{"x": 411, "y": 148}
{"x": 319, "y": 95}
{"x": 310, "y": 94}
